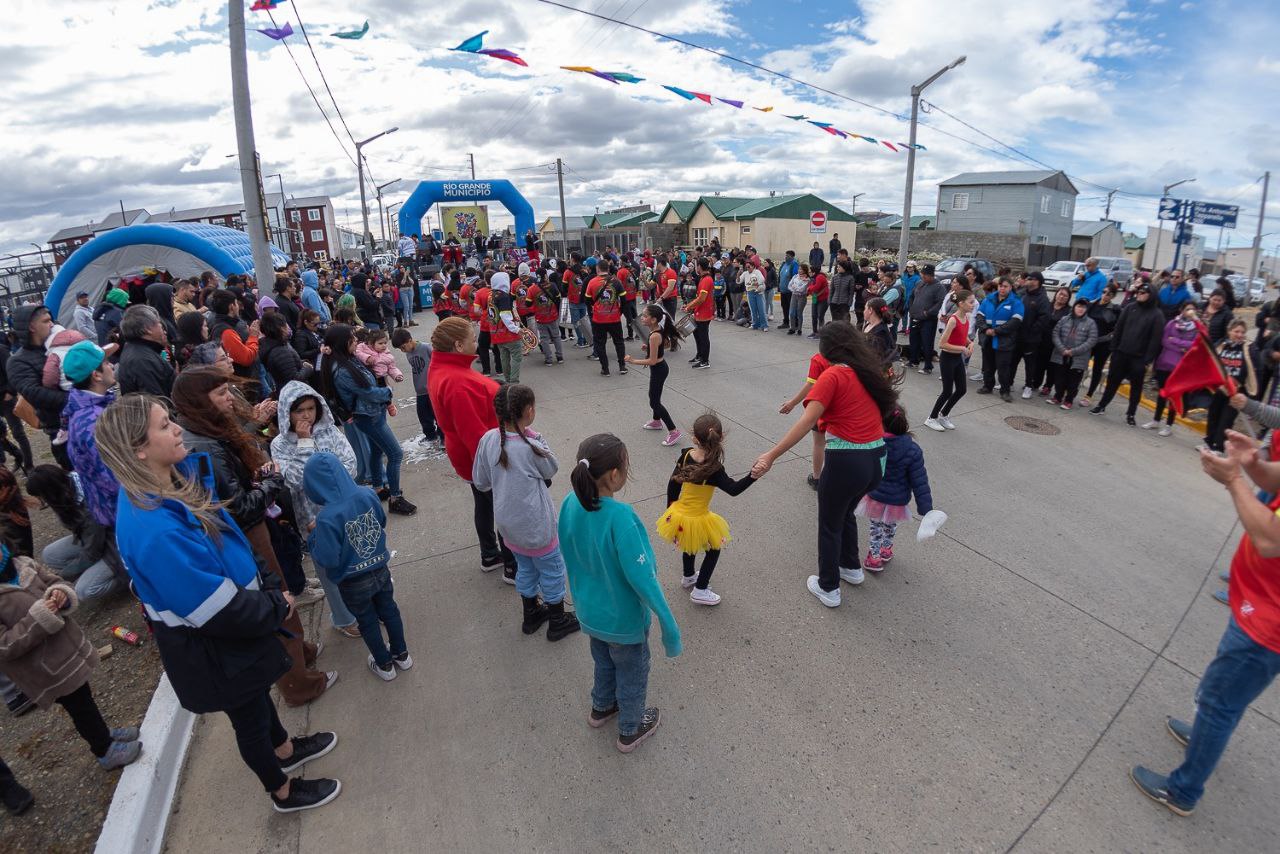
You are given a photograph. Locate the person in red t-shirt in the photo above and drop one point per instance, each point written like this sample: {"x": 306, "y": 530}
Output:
{"x": 573, "y": 278}
{"x": 849, "y": 402}
{"x": 1248, "y": 656}
{"x": 819, "y": 290}
{"x": 544, "y": 298}
{"x": 480, "y": 314}
{"x": 668, "y": 287}
{"x": 817, "y": 364}
{"x": 628, "y": 283}
{"x": 604, "y": 292}
{"x": 703, "y": 308}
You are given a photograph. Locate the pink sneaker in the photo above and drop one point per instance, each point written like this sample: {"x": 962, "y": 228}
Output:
{"x": 655, "y": 424}
{"x": 873, "y": 562}
{"x": 672, "y": 438}
{"x": 886, "y": 554}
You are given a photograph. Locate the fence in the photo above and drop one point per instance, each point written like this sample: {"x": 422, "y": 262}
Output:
{"x": 1004, "y": 250}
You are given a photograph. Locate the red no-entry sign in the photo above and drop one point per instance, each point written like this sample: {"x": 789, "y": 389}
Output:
{"x": 817, "y": 222}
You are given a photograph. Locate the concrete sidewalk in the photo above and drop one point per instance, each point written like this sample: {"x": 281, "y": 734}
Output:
{"x": 989, "y": 691}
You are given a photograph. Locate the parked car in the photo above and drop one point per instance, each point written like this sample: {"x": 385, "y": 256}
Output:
{"x": 1061, "y": 273}
{"x": 1239, "y": 287}
{"x": 1119, "y": 271}
{"x": 945, "y": 271}
{"x": 1257, "y": 289}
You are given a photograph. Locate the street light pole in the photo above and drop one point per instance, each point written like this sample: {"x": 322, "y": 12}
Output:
{"x": 1257, "y": 236}
{"x": 911, "y": 159}
{"x": 382, "y": 227}
{"x": 392, "y": 229}
{"x": 366, "y": 239}
{"x": 246, "y": 152}
{"x": 853, "y": 203}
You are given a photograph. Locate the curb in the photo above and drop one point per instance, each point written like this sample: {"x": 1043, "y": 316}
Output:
{"x": 140, "y": 808}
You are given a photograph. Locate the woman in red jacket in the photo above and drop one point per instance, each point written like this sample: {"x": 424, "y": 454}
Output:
{"x": 820, "y": 290}
{"x": 468, "y": 416}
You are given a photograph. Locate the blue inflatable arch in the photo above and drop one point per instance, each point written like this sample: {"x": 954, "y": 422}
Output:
{"x": 430, "y": 192}
{"x": 182, "y": 248}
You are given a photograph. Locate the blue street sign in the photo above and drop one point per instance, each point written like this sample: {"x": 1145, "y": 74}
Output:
{"x": 1170, "y": 208}
{"x": 1182, "y": 233}
{"x": 1211, "y": 213}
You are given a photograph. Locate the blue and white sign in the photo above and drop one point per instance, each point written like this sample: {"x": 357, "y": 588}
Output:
{"x": 1170, "y": 208}
{"x": 1211, "y": 213}
{"x": 1182, "y": 233}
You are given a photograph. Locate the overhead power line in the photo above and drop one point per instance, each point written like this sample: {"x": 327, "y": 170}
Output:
{"x": 319, "y": 107}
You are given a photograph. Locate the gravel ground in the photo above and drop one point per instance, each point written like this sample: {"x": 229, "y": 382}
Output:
{"x": 47, "y": 756}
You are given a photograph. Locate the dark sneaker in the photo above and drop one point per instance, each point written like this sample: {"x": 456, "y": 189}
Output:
{"x": 21, "y": 704}
{"x": 1097, "y": 410}
{"x": 599, "y": 718}
{"x": 17, "y": 799}
{"x": 702, "y": 365}
{"x": 1129, "y": 419}
{"x": 489, "y": 564}
{"x": 384, "y": 493}
{"x": 623, "y": 370}
{"x": 1156, "y": 787}
{"x": 308, "y": 747}
{"x": 604, "y": 373}
{"x": 307, "y": 794}
{"x": 401, "y": 505}
{"x": 509, "y": 574}
{"x": 812, "y": 481}
{"x": 984, "y": 390}
{"x": 648, "y": 723}
{"x": 1180, "y": 730}
{"x": 1006, "y": 397}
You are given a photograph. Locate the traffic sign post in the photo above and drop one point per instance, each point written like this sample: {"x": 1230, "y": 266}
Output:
{"x": 1170, "y": 208}
{"x": 1185, "y": 213}
{"x": 1211, "y": 213}
{"x": 817, "y": 222}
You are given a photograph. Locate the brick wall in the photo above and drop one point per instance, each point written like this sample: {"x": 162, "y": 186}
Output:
{"x": 1001, "y": 249}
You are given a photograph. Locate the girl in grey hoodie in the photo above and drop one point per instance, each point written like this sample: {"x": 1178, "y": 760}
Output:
{"x": 517, "y": 465}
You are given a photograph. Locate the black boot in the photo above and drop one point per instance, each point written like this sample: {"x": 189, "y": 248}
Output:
{"x": 15, "y": 796}
{"x": 535, "y": 614}
{"x": 563, "y": 623}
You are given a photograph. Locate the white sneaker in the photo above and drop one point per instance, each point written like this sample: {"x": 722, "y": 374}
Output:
{"x": 934, "y": 424}
{"x": 975, "y": 377}
{"x": 946, "y": 422}
{"x": 687, "y": 581}
{"x": 921, "y": 371}
{"x": 404, "y": 662}
{"x": 829, "y": 598}
{"x": 705, "y": 597}
{"x": 852, "y": 576}
{"x": 1164, "y": 431}
{"x": 1027, "y": 392}
{"x": 385, "y": 675}
{"x": 1151, "y": 425}
{"x": 308, "y": 596}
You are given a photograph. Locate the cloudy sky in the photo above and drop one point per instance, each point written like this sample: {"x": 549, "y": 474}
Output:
{"x": 107, "y": 100}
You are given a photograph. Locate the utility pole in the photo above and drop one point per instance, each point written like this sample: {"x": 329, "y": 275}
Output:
{"x": 246, "y": 151}
{"x": 911, "y": 159}
{"x": 853, "y": 203}
{"x": 366, "y": 238}
{"x": 1257, "y": 236}
{"x": 472, "y": 158}
{"x": 564, "y": 225}
{"x": 382, "y": 226}
{"x": 1111, "y": 195}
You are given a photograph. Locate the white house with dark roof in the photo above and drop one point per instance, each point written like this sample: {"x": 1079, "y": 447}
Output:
{"x": 1036, "y": 204}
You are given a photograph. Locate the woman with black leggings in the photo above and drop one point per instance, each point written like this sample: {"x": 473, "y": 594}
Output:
{"x": 663, "y": 336}
{"x": 1104, "y": 314}
{"x": 955, "y": 347}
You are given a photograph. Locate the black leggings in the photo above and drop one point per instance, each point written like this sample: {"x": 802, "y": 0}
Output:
{"x": 1221, "y": 418}
{"x": 1101, "y": 352}
{"x": 702, "y": 340}
{"x": 954, "y": 384}
{"x": 708, "y": 567}
{"x": 818, "y": 315}
{"x": 1123, "y": 367}
{"x": 485, "y": 346}
{"x": 847, "y": 475}
{"x": 1161, "y": 403}
{"x": 258, "y": 734}
{"x": 601, "y": 333}
{"x": 87, "y": 719}
{"x": 657, "y": 379}
{"x": 492, "y": 547}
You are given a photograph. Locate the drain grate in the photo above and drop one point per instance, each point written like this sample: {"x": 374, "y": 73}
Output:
{"x": 1032, "y": 425}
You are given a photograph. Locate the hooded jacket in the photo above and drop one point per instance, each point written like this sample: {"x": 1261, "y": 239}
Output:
{"x": 143, "y": 367}
{"x": 1106, "y": 317}
{"x": 160, "y": 297}
{"x": 1176, "y": 340}
{"x": 842, "y": 288}
{"x": 106, "y": 320}
{"x": 281, "y": 361}
{"x": 246, "y": 500}
{"x": 291, "y": 453}
{"x": 368, "y": 309}
{"x": 1037, "y": 320}
{"x": 311, "y": 295}
{"x": 1138, "y": 331}
{"x": 99, "y": 485}
{"x": 214, "y": 618}
{"x": 904, "y": 474}
{"x": 1002, "y": 315}
{"x": 233, "y": 334}
{"x": 463, "y": 403}
{"x": 522, "y": 506}
{"x": 26, "y": 370}
{"x": 926, "y": 300}
{"x": 45, "y": 654}
{"x": 350, "y": 536}
{"x": 1077, "y": 334}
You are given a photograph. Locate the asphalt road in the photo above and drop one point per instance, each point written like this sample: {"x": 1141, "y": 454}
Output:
{"x": 988, "y": 692}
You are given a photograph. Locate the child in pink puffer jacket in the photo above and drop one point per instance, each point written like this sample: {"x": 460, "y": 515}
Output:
{"x": 374, "y": 352}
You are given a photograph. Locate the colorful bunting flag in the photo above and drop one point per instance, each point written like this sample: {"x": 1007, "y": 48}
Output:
{"x": 799, "y": 118}
{"x": 737, "y": 104}
{"x": 688, "y": 96}
{"x": 278, "y": 33}
{"x": 888, "y": 145}
{"x": 763, "y": 109}
{"x": 352, "y": 34}
{"x": 265, "y": 5}
{"x": 475, "y": 44}
{"x": 703, "y": 97}
{"x": 623, "y": 76}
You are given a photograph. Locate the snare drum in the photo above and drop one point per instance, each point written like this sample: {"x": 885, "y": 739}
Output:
{"x": 528, "y": 339}
{"x": 685, "y": 324}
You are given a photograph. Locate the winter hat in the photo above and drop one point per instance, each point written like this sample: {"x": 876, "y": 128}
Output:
{"x": 82, "y": 360}
{"x": 501, "y": 282}
{"x": 266, "y": 303}
{"x": 117, "y": 297}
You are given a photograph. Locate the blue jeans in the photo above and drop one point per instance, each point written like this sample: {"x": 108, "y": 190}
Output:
{"x": 406, "y": 304}
{"x": 1238, "y": 674}
{"x": 92, "y": 578}
{"x": 577, "y": 311}
{"x": 756, "y": 303}
{"x": 622, "y": 677}
{"x": 369, "y": 596}
{"x": 360, "y": 445}
{"x": 338, "y": 611}
{"x": 382, "y": 442}
{"x": 541, "y": 574}
{"x": 798, "y": 303}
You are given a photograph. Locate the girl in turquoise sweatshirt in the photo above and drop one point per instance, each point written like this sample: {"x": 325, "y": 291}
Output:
{"x": 614, "y": 580}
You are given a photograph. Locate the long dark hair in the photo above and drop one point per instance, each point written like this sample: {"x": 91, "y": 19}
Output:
{"x": 509, "y": 404}
{"x": 671, "y": 336}
{"x": 841, "y": 344}
{"x": 197, "y": 414}
{"x": 709, "y": 432}
{"x": 338, "y": 338}
{"x": 597, "y": 456}
{"x": 54, "y": 487}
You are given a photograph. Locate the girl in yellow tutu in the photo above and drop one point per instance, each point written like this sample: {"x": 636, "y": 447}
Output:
{"x": 688, "y": 521}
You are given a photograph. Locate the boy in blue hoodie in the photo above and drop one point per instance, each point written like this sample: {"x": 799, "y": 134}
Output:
{"x": 348, "y": 542}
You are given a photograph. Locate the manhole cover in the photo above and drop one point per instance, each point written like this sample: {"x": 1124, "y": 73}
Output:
{"x": 1032, "y": 425}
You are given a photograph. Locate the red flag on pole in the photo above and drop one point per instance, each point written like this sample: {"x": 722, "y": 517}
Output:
{"x": 1199, "y": 369}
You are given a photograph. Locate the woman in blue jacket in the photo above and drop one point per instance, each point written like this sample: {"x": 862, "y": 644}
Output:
{"x": 214, "y": 616}
{"x": 349, "y": 384}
